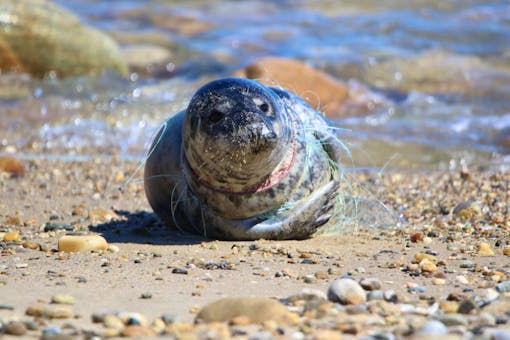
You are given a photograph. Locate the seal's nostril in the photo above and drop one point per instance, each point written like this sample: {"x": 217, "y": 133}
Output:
{"x": 215, "y": 116}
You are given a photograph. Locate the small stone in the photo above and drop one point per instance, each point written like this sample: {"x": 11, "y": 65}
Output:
{"x": 417, "y": 237}
{"x": 12, "y": 166}
{"x": 449, "y": 307}
{"x": 12, "y": 236}
{"x": 103, "y": 215}
{"x": 503, "y": 287}
{"x": 375, "y": 295}
{"x": 346, "y": 291}
{"x": 112, "y": 248}
{"x": 428, "y": 266}
{"x": 15, "y": 328}
{"x": 146, "y": 295}
{"x": 433, "y": 328}
{"x": 390, "y": 296}
{"x": 327, "y": 335}
{"x": 450, "y": 320}
{"x": 137, "y": 331}
{"x": 158, "y": 325}
{"x": 467, "y": 210}
{"x": 506, "y": 251}
{"x": 466, "y": 306}
{"x": 256, "y": 309}
{"x": 484, "y": 249}
{"x": 422, "y": 256}
{"x": 462, "y": 279}
{"x": 438, "y": 281}
{"x": 467, "y": 264}
{"x": 21, "y": 265}
{"x": 76, "y": 244}
{"x": 50, "y": 312}
{"x": 30, "y": 245}
{"x": 63, "y": 299}
{"x": 131, "y": 318}
{"x": 179, "y": 271}
{"x": 370, "y": 284}
{"x": 111, "y": 321}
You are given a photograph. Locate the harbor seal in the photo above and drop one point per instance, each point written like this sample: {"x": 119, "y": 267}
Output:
{"x": 244, "y": 161}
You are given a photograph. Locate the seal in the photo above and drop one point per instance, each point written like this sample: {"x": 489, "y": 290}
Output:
{"x": 244, "y": 161}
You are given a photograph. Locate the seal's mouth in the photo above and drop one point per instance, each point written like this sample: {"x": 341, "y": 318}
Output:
{"x": 274, "y": 178}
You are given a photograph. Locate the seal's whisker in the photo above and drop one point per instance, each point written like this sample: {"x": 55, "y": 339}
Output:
{"x": 174, "y": 203}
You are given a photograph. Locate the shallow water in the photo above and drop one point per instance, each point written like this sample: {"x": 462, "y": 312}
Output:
{"x": 442, "y": 68}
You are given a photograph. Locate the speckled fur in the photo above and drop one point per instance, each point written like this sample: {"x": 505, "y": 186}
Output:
{"x": 293, "y": 208}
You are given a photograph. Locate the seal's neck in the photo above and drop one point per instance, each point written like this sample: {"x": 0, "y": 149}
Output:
{"x": 276, "y": 176}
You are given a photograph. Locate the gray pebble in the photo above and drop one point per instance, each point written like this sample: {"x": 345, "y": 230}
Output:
{"x": 503, "y": 287}
{"x": 370, "y": 284}
{"x": 453, "y": 320}
{"x": 390, "y": 296}
{"x": 375, "y": 295}
{"x": 346, "y": 291}
{"x": 467, "y": 264}
{"x": 433, "y": 328}
{"x": 466, "y": 306}
{"x": 179, "y": 271}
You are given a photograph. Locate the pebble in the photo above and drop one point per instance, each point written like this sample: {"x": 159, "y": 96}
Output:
{"x": 112, "y": 248}
{"x": 375, "y": 295}
{"x": 433, "y": 328}
{"x": 76, "y": 244}
{"x": 506, "y": 251}
{"x": 462, "y": 279}
{"x": 50, "y": 312}
{"x": 418, "y": 257}
{"x": 179, "y": 271}
{"x": 30, "y": 245}
{"x": 63, "y": 299}
{"x": 453, "y": 319}
{"x": 428, "y": 266}
{"x": 15, "y": 328}
{"x": 438, "y": 281}
{"x": 370, "y": 284}
{"x": 390, "y": 296}
{"x": 133, "y": 318}
{"x": 503, "y": 287}
{"x": 467, "y": 264}
{"x": 466, "y": 306}
{"x": 12, "y": 236}
{"x": 111, "y": 321}
{"x": 137, "y": 331}
{"x": 256, "y": 310}
{"x": 346, "y": 292}
{"x": 449, "y": 307}
{"x": 484, "y": 249}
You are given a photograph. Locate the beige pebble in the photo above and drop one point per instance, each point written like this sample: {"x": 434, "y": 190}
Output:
{"x": 179, "y": 329}
{"x": 112, "y": 248}
{"x": 438, "y": 281}
{"x": 158, "y": 325}
{"x": 30, "y": 245}
{"x": 111, "y": 333}
{"x": 462, "y": 279}
{"x": 62, "y": 299}
{"x": 449, "y": 307}
{"x": 422, "y": 256}
{"x": 103, "y": 215}
{"x": 427, "y": 266}
{"x": 11, "y": 236}
{"x": 256, "y": 310}
{"x": 427, "y": 240}
{"x": 113, "y": 322}
{"x": 76, "y": 244}
{"x": 137, "y": 331}
{"x": 50, "y": 312}
{"x": 484, "y": 249}
{"x": 506, "y": 251}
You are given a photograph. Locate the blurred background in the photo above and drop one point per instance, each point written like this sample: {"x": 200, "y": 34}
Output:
{"x": 419, "y": 84}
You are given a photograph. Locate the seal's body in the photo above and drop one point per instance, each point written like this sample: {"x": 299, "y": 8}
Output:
{"x": 243, "y": 162}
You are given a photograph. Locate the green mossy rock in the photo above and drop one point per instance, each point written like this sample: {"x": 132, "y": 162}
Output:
{"x": 38, "y": 37}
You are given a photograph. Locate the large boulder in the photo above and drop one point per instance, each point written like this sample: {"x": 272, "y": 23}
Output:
{"x": 39, "y": 37}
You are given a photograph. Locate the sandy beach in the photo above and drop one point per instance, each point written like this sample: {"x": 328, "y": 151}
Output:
{"x": 164, "y": 275}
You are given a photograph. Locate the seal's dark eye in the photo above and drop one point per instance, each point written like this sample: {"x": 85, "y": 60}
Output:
{"x": 264, "y": 107}
{"x": 215, "y": 116}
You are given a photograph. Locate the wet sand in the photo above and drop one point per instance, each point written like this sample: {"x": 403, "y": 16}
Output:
{"x": 155, "y": 271}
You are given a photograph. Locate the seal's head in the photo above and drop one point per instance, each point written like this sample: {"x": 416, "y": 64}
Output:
{"x": 236, "y": 132}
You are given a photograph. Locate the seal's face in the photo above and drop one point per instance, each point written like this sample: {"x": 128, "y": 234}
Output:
{"x": 235, "y": 133}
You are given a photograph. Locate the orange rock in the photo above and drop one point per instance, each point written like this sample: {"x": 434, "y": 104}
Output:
{"x": 320, "y": 90}
{"x": 12, "y": 165}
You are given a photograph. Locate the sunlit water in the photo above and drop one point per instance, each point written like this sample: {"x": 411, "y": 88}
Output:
{"x": 443, "y": 68}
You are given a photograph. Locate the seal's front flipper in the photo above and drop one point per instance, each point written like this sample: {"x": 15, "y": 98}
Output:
{"x": 304, "y": 218}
